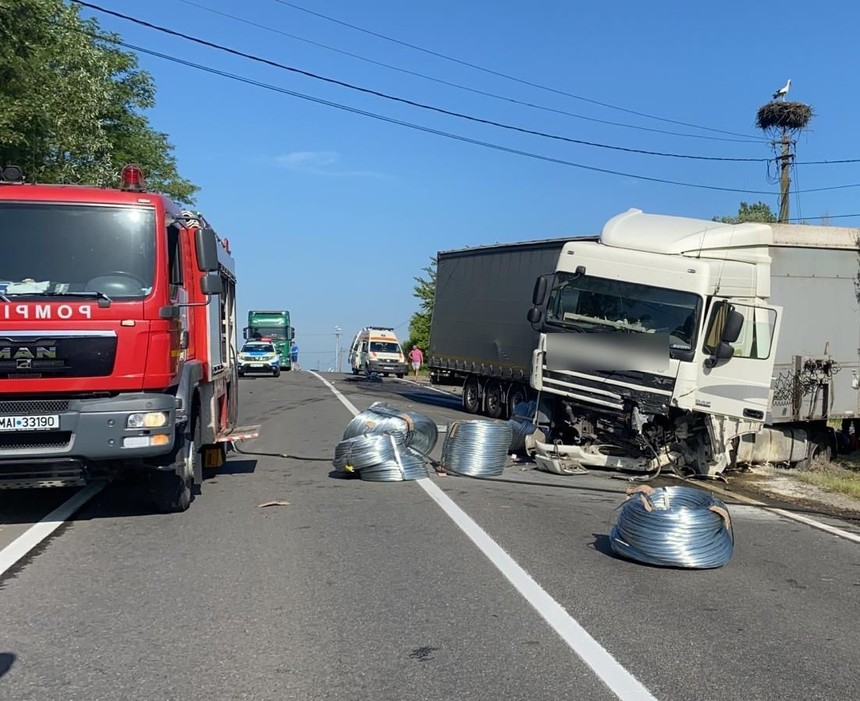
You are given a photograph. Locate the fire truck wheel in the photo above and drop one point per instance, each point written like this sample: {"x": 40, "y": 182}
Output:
{"x": 174, "y": 489}
{"x": 171, "y": 493}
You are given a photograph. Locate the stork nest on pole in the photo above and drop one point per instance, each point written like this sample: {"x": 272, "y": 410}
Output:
{"x": 792, "y": 116}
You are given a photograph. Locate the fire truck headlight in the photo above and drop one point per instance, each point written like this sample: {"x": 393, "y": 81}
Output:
{"x": 152, "y": 419}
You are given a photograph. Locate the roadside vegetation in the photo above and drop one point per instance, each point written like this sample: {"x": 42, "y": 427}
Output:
{"x": 841, "y": 476}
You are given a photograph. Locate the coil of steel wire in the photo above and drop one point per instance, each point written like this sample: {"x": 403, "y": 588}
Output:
{"x": 407, "y": 465}
{"x": 367, "y": 450}
{"x": 476, "y": 448}
{"x": 673, "y": 527}
{"x": 372, "y": 420}
{"x": 421, "y": 432}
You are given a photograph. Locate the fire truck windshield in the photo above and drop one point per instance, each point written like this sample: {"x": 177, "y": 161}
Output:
{"x": 51, "y": 249}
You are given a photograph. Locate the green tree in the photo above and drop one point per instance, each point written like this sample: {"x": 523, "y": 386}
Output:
{"x": 419, "y": 324}
{"x": 73, "y": 104}
{"x": 757, "y": 212}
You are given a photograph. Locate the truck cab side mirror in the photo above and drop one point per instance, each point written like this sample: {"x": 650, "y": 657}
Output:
{"x": 211, "y": 284}
{"x": 207, "y": 250}
{"x": 535, "y": 315}
{"x": 732, "y": 327}
{"x": 725, "y": 328}
{"x": 723, "y": 351}
{"x": 539, "y": 293}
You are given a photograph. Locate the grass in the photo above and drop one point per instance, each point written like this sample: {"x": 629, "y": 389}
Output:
{"x": 841, "y": 476}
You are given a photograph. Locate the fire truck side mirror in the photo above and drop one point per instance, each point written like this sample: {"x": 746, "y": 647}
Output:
{"x": 207, "y": 250}
{"x": 211, "y": 284}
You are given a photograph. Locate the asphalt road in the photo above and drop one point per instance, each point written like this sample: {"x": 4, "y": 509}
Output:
{"x": 358, "y": 590}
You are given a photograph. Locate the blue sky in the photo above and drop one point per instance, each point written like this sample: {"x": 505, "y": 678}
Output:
{"x": 331, "y": 214}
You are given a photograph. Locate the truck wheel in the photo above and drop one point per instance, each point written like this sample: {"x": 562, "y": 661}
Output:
{"x": 517, "y": 394}
{"x": 399, "y": 375}
{"x": 472, "y": 395}
{"x": 494, "y": 399}
{"x": 171, "y": 493}
{"x": 173, "y": 490}
{"x": 277, "y": 373}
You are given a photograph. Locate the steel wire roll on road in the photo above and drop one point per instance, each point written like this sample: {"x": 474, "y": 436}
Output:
{"x": 421, "y": 432}
{"x": 406, "y": 465}
{"x": 367, "y": 450}
{"x": 477, "y": 448}
{"x": 673, "y": 527}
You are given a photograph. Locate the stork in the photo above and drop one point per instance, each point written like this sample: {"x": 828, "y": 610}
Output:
{"x": 783, "y": 91}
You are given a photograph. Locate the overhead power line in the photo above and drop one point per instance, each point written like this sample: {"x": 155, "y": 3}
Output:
{"x": 510, "y": 77}
{"x": 459, "y": 86}
{"x": 405, "y": 101}
{"x": 410, "y": 125}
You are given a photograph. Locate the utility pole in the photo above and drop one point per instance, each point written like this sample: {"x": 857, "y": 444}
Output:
{"x": 337, "y": 348}
{"x": 785, "y": 177}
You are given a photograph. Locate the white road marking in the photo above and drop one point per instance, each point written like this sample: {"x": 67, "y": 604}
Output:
{"x": 34, "y": 535}
{"x": 826, "y": 527}
{"x": 623, "y": 684}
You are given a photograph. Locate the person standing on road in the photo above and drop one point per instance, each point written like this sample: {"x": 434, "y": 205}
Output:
{"x": 417, "y": 357}
{"x": 294, "y": 356}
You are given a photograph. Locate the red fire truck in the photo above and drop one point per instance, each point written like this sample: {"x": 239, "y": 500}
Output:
{"x": 117, "y": 338}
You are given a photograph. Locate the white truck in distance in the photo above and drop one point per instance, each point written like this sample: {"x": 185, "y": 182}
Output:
{"x": 695, "y": 345}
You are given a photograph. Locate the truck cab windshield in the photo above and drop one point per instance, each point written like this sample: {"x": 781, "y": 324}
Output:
{"x": 276, "y": 333}
{"x": 76, "y": 250}
{"x": 591, "y": 304}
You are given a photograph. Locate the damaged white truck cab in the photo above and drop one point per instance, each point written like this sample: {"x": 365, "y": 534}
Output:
{"x": 695, "y": 345}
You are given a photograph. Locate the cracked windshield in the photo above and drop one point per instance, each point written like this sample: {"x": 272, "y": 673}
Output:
{"x": 589, "y": 304}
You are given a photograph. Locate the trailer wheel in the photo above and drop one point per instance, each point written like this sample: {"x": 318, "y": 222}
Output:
{"x": 517, "y": 394}
{"x": 494, "y": 399}
{"x": 472, "y": 394}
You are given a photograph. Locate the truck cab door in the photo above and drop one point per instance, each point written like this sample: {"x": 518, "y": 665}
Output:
{"x": 736, "y": 360}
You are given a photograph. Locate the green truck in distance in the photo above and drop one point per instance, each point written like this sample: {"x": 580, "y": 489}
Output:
{"x": 273, "y": 326}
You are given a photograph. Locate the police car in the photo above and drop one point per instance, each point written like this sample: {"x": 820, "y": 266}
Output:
{"x": 259, "y": 357}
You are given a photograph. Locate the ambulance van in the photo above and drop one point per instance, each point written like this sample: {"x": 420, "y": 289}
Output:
{"x": 375, "y": 349}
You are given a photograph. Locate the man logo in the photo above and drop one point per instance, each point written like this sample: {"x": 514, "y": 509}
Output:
{"x": 29, "y": 353}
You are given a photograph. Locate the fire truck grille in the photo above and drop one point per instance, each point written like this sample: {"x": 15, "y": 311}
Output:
{"x": 37, "y": 439}
{"x": 34, "y": 406}
{"x": 62, "y": 356}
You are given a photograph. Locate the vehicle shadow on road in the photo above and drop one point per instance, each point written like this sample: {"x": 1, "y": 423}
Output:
{"x": 244, "y": 466}
{"x": 7, "y": 659}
